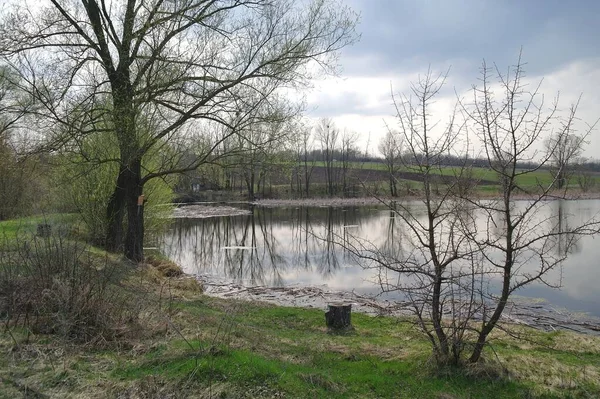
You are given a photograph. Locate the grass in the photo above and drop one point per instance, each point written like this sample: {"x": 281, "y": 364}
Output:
{"x": 208, "y": 347}
{"x": 12, "y": 228}
{"x": 528, "y": 180}
{"x": 194, "y": 345}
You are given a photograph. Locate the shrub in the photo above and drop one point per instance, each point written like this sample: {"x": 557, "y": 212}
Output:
{"x": 57, "y": 286}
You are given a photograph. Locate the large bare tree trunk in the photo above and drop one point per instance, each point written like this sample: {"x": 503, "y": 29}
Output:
{"x": 114, "y": 215}
{"x": 129, "y": 182}
{"x": 124, "y": 200}
{"x": 134, "y": 239}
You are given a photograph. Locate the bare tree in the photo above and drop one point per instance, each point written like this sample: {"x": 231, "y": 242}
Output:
{"x": 307, "y": 147}
{"x": 433, "y": 257}
{"x": 348, "y": 151}
{"x": 260, "y": 141}
{"x": 327, "y": 135}
{"x": 584, "y": 176}
{"x": 391, "y": 146}
{"x": 461, "y": 257}
{"x": 178, "y": 65}
{"x": 13, "y": 104}
{"x": 564, "y": 148}
{"x": 303, "y": 143}
{"x": 519, "y": 245}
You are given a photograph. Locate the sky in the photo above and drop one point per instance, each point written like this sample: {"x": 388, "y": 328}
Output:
{"x": 400, "y": 39}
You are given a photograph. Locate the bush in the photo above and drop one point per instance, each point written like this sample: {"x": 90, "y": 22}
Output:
{"x": 55, "y": 286}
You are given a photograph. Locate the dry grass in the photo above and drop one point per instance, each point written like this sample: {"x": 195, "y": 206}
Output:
{"x": 555, "y": 376}
{"x": 165, "y": 267}
{"x": 298, "y": 358}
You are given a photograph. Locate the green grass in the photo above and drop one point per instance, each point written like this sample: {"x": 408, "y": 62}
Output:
{"x": 229, "y": 349}
{"x": 198, "y": 346}
{"x": 527, "y": 180}
{"x": 292, "y": 353}
{"x": 28, "y": 225}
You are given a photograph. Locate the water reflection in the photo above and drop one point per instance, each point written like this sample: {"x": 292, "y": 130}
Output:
{"x": 267, "y": 247}
{"x": 307, "y": 246}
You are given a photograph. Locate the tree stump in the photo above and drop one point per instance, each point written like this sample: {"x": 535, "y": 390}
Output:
{"x": 338, "y": 318}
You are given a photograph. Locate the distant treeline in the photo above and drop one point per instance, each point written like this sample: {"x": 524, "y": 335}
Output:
{"x": 356, "y": 156}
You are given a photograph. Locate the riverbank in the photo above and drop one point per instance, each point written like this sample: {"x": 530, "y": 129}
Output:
{"x": 197, "y": 346}
{"x": 537, "y": 314}
{"x": 176, "y": 342}
{"x": 234, "y": 208}
{"x": 341, "y": 202}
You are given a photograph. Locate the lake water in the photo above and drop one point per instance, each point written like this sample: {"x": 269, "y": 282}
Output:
{"x": 295, "y": 246}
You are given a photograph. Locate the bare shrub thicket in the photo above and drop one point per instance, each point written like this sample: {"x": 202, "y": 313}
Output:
{"x": 460, "y": 257}
{"x": 57, "y": 286}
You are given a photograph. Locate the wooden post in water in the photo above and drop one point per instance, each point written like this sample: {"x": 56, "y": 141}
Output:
{"x": 338, "y": 318}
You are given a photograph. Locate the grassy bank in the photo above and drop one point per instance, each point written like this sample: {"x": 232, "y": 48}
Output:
{"x": 198, "y": 346}
{"x": 87, "y": 324}
{"x": 10, "y": 229}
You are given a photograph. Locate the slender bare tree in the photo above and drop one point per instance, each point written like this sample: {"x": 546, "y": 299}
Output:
{"x": 565, "y": 149}
{"x": 260, "y": 140}
{"x": 306, "y": 146}
{"x": 348, "y": 152}
{"x": 460, "y": 257}
{"x": 520, "y": 244}
{"x": 181, "y": 65}
{"x": 390, "y": 147}
{"x": 432, "y": 258}
{"x": 327, "y": 135}
{"x": 13, "y": 104}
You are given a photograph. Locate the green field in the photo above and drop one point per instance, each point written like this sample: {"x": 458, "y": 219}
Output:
{"x": 527, "y": 180}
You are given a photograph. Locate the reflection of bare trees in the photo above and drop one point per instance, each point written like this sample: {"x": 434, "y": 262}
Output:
{"x": 260, "y": 247}
{"x": 565, "y": 240}
{"x": 392, "y": 246}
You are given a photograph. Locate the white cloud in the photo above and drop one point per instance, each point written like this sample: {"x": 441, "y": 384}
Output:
{"x": 363, "y": 103}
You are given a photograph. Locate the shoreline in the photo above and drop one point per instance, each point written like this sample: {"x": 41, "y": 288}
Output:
{"x": 205, "y": 209}
{"x": 528, "y": 312}
{"x": 340, "y": 201}
{"x": 520, "y": 311}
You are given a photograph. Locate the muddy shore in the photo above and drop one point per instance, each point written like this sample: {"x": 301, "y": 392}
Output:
{"x": 207, "y": 210}
{"x": 536, "y": 314}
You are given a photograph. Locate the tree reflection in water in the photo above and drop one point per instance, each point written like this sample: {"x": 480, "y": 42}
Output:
{"x": 262, "y": 247}
{"x": 306, "y": 246}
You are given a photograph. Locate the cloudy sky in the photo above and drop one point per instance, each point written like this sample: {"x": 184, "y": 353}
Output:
{"x": 402, "y": 38}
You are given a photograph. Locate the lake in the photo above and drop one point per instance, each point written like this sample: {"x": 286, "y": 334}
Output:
{"x": 285, "y": 246}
